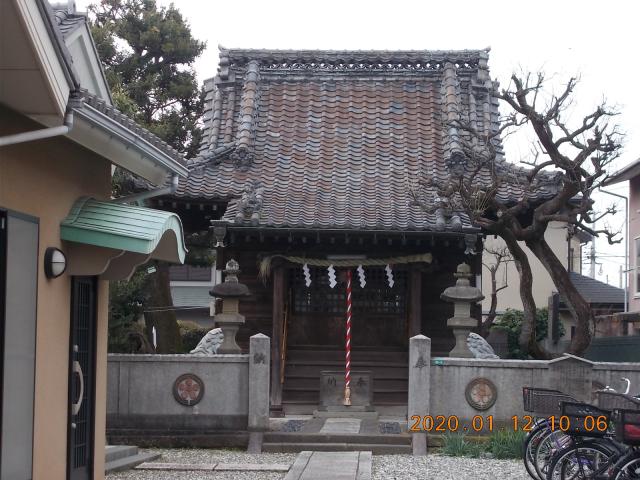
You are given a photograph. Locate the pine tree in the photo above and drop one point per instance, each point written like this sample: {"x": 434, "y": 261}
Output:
{"x": 148, "y": 54}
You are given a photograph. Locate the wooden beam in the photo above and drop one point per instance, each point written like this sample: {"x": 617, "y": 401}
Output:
{"x": 276, "y": 339}
{"x": 415, "y": 301}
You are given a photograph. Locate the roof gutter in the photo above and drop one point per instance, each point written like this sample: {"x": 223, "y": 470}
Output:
{"x": 138, "y": 198}
{"x": 131, "y": 139}
{"x": 42, "y": 133}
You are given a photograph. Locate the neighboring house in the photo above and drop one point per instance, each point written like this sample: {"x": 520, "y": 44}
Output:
{"x": 312, "y": 155}
{"x": 190, "y": 286}
{"x": 631, "y": 173}
{"x": 604, "y": 299}
{"x": 567, "y": 248}
{"x": 62, "y": 239}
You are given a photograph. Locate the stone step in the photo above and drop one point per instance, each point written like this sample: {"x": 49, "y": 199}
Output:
{"x": 313, "y": 383}
{"x": 115, "y": 452}
{"x": 398, "y": 397}
{"x": 376, "y": 449}
{"x": 126, "y": 463}
{"x": 295, "y": 407}
{"x": 379, "y": 387}
{"x": 382, "y": 439}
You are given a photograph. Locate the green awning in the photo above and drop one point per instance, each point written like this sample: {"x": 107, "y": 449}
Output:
{"x": 144, "y": 231}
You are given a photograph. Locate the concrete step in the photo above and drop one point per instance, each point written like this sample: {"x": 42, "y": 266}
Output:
{"x": 313, "y": 397}
{"x": 386, "y": 439}
{"x": 376, "y": 449}
{"x": 295, "y": 382}
{"x": 126, "y": 463}
{"x": 293, "y": 407}
{"x": 116, "y": 452}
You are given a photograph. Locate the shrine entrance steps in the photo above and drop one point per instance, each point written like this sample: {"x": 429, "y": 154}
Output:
{"x": 301, "y": 389}
{"x": 382, "y": 436}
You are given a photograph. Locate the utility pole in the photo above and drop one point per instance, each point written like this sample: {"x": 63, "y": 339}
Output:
{"x": 593, "y": 258}
{"x": 620, "y": 279}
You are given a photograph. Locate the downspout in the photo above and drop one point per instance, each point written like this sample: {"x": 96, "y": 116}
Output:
{"x": 626, "y": 245}
{"x": 156, "y": 192}
{"x": 33, "y": 135}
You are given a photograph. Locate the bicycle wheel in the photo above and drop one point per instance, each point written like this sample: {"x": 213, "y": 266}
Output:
{"x": 547, "y": 448}
{"x": 589, "y": 460}
{"x": 531, "y": 442}
{"x": 628, "y": 467}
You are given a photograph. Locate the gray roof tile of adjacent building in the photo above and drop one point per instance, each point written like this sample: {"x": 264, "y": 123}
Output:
{"x": 336, "y": 139}
{"x": 597, "y": 292}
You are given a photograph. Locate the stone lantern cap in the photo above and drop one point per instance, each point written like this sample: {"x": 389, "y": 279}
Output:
{"x": 230, "y": 288}
{"x": 462, "y": 291}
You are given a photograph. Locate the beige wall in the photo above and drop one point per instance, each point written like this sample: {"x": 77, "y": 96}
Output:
{"x": 556, "y": 236}
{"x": 43, "y": 179}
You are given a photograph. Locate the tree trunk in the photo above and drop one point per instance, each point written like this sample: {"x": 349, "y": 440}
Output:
{"x": 578, "y": 306}
{"x": 528, "y": 341}
{"x": 485, "y": 328}
{"x": 158, "y": 296}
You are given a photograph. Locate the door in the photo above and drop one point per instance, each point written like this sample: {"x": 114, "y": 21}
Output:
{"x": 81, "y": 378}
{"x": 18, "y": 300}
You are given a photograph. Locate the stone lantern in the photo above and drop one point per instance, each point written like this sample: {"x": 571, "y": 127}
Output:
{"x": 229, "y": 321}
{"x": 462, "y": 295}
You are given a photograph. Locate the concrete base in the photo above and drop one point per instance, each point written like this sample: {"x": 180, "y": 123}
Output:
{"x": 255, "y": 442}
{"x": 419, "y": 444}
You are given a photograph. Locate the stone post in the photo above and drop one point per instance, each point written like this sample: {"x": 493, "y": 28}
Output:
{"x": 230, "y": 319}
{"x": 462, "y": 295}
{"x": 259, "y": 363}
{"x": 419, "y": 384}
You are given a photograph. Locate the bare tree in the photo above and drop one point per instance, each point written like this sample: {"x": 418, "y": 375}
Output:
{"x": 501, "y": 257}
{"x": 517, "y": 202}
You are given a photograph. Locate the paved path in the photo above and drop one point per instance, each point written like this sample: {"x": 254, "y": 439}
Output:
{"x": 333, "y": 465}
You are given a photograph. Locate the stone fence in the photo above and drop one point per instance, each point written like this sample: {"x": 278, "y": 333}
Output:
{"x": 465, "y": 388}
{"x": 190, "y": 392}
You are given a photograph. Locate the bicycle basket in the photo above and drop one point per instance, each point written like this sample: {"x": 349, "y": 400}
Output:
{"x": 627, "y": 423}
{"x": 528, "y": 395}
{"x": 544, "y": 402}
{"x": 584, "y": 420}
{"x": 617, "y": 401}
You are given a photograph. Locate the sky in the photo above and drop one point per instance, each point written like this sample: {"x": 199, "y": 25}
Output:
{"x": 597, "y": 41}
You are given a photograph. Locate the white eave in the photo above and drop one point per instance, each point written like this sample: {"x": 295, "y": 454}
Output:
{"x": 34, "y": 60}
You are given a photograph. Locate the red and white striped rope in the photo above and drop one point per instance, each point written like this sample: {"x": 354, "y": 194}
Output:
{"x": 347, "y": 372}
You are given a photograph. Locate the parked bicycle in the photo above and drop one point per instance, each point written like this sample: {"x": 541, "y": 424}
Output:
{"x": 572, "y": 439}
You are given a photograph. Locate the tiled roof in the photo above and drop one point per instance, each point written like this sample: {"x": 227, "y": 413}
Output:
{"x": 336, "y": 139}
{"x": 595, "y": 291}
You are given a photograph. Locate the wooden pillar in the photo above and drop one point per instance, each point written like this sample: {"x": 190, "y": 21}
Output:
{"x": 415, "y": 301}
{"x": 276, "y": 340}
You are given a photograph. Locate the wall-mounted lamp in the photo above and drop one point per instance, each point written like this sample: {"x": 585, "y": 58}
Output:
{"x": 55, "y": 263}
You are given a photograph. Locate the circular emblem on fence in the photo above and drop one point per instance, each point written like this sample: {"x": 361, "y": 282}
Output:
{"x": 481, "y": 393}
{"x": 188, "y": 389}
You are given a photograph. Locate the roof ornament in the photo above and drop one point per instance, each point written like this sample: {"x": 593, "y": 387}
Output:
{"x": 248, "y": 110}
{"x": 250, "y": 204}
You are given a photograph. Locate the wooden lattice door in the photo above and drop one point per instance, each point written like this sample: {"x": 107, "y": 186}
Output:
{"x": 81, "y": 378}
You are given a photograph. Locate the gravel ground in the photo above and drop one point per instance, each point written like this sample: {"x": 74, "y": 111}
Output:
{"x": 385, "y": 467}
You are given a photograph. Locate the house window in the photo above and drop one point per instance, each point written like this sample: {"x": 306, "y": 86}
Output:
{"x": 376, "y": 297}
{"x": 189, "y": 273}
